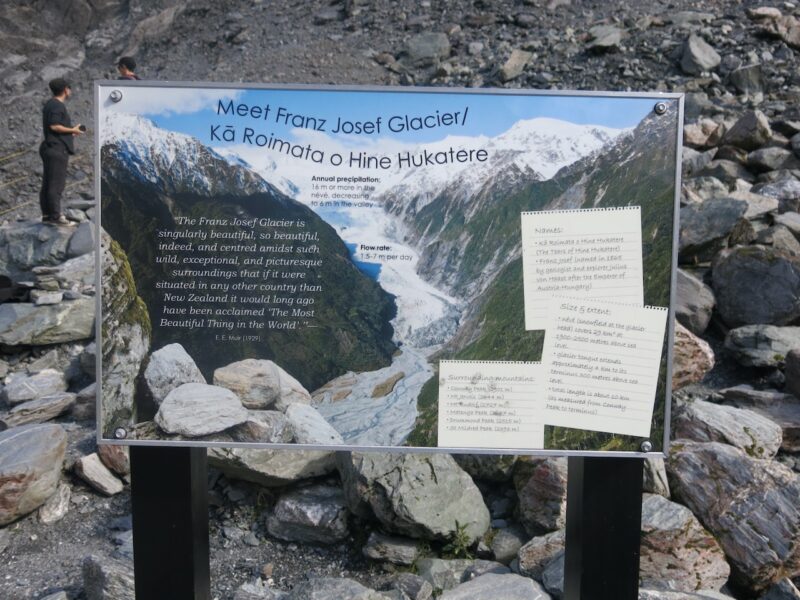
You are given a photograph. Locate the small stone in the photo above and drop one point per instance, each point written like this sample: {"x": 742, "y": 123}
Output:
{"x": 537, "y": 554}
{"x": 698, "y": 56}
{"x": 315, "y": 514}
{"x": 116, "y": 458}
{"x": 107, "y": 579}
{"x": 506, "y": 544}
{"x": 748, "y": 79}
{"x": 750, "y": 132}
{"x": 392, "y": 549}
{"x": 425, "y": 49}
{"x": 413, "y": 586}
{"x": 515, "y": 65}
{"x": 56, "y": 506}
{"x": 94, "y": 472}
{"x": 42, "y": 298}
{"x": 605, "y": 38}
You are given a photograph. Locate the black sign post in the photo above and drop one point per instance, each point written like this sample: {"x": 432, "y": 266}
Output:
{"x": 604, "y": 520}
{"x": 169, "y": 495}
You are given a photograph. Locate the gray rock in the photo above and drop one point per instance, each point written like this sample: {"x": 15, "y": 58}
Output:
{"x": 749, "y": 505}
{"x": 83, "y": 240}
{"x": 654, "y": 480}
{"x": 757, "y": 284}
{"x": 783, "y": 590}
{"x": 261, "y": 384}
{"x": 39, "y": 410}
{"x": 694, "y": 302}
{"x": 703, "y": 421}
{"x": 422, "y": 496}
{"x": 750, "y": 132}
{"x": 771, "y": 159}
{"x": 506, "y": 544}
{"x": 792, "y": 372}
{"x": 395, "y": 550}
{"x": 24, "y": 246}
{"x": 515, "y": 65}
{"x": 780, "y": 238}
{"x": 553, "y": 576}
{"x": 168, "y": 368}
{"x": 493, "y": 587}
{"x": 197, "y": 409}
{"x": 57, "y": 505}
{"x": 727, "y": 171}
{"x": 85, "y": 406}
{"x": 676, "y": 548}
{"x": 266, "y": 426}
{"x": 645, "y": 594}
{"x": 413, "y": 586}
{"x": 790, "y": 220}
{"x": 762, "y": 345}
{"x": 116, "y": 458}
{"x": 785, "y": 191}
{"x": 31, "y": 325}
{"x": 757, "y": 205}
{"x": 541, "y": 485}
{"x": 427, "y": 48}
{"x": 107, "y": 579}
{"x": 56, "y": 596}
{"x": 315, "y": 515}
{"x": 748, "y": 79}
{"x": 79, "y": 271}
{"x": 487, "y": 467}
{"x": 605, "y": 38}
{"x": 31, "y": 458}
{"x": 537, "y": 554}
{"x": 42, "y": 298}
{"x": 333, "y": 588}
{"x": 271, "y": 468}
{"x": 693, "y": 161}
{"x": 706, "y": 187}
{"x": 698, "y": 56}
{"x": 310, "y": 427}
{"x": 20, "y": 387}
{"x": 706, "y": 226}
{"x": 258, "y": 590}
{"x": 445, "y": 574}
{"x": 92, "y": 470}
{"x": 481, "y": 567}
{"x": 783, "y": 409}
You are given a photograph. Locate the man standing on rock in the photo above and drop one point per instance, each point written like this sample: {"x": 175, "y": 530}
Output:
{"x": 55, "y": 150}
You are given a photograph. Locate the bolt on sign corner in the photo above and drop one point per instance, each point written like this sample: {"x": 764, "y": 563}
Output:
{"x": 381, "y": 269}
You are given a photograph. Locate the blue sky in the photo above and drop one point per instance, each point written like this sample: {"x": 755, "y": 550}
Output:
{"x": 488, "y": 115}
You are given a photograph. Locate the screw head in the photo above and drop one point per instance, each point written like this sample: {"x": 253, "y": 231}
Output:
{"x": 660, "y": 108}
{"x": 647, "y": 446}
{"x": 115, "y": 96}
{"x": 120, "y": 433}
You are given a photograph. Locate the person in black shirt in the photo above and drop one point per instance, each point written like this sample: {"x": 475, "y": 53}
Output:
{"x": 126, "y": 67}
{"x": 55, "y": 150}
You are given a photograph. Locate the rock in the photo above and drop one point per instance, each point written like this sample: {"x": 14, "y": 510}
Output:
{"x": 94, "y": 472}
{"x": 79, "y": 271}
{"x": 692, "y": 358}
{"x": 785, "y": 191}
{"x": 425, "y": 49}
{"x": 38, "y": 411}
{"x": 271, "y": 468}
{"x": 107, "y": 579}
{"x": 750, "y": 132}
{"x": 314, "y": 515}
{"x": 655, "y": 477}
{"x": 537, "y": 554}
{"x": 197, "y": 409}
{"x": 605, "y": 38}
{"x": 783, "y": 409}
{"x": 328, "y": 15}
{"x": 676, "y": 548}
{"x": 310, "y": 427}
{"x": 790, "y": 220}
{"x": 85, "y": 406}
{"x": 756, "y": 284}
{"x": 332, "y": 588}
{"x": 56, "y": 506}
{"x": 693, "y": 161}
{"x": 792, "y": 372}
{"x": 83, "y": 240}
{"x": 395, "y": 550}
{"x": 422, "y": 496}
{"x": 20, "y": 387}
{"x": 413, "y": 586}
{"x": 261, "y": 384}
{"x": 27, "y": 324}
{"x": 168, "y": 368}
{"x": 506, "y": 544}
{"x": 481, "y": 567}
{"x": 762, "y": 345}
{"x": 706, "y": 186}
{"x": 783, "y": 590}
{"x": 116, "y": 458}
{"x": 31, "y": 458}
{"x": 726, "y": 171}
{"x": 703, "y": 421}
{"x": 771, "y": 159}
{"x": 645, "y": 594}
{"x": 42, "y": 298}
{"x": 748, "y": 79}
{"x": 490, "y": 586}
{"x": 445, "y": 574}
{"x": 24, "y": 246}
{"x": 553, "y": 576}
{"x": 515, "y": 65}
{"x": 266, "y": 426}
{"x": 56, "y": 596}
{"x": 749, "y": 505}
{"x": 698, "y": 56}
{"x": 694, "y": 302}
{"x": 487, "y": 467}
{"x": 541, "y": 485}
{"x": 780, "y": 238}
{"x": 258, "y": 590}
{"x": 757, "y": 205}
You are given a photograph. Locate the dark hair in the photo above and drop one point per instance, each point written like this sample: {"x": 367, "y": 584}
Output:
{"x": 128, "y": 62}
{"x": 58, "y": 85}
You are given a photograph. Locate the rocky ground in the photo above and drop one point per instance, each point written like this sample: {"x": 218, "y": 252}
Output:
{"x": 721, "y": 517}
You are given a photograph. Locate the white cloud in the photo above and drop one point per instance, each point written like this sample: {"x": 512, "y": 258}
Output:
{"x": 168, "y": 101}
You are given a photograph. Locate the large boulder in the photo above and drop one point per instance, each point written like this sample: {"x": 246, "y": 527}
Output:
{"x": 694, "y": 302}
{"x": 422, "y": 496}
{"x": 541, "y": 485}
{"x": 31, "y": 458}
{"x": 271, "y": 468}
{"x": 315, "y": 515}
{"x": 762, "y": 345}
{"x": 757, "y": 284}
{"x": 27, "y": 324}
{"x": 676, "y": 549}
{"x": 197, "y": 409}
{"x": 783, "y": 409}
{"x": 492, "y": 587}
{"x": 748, "y": 504}
{"x": 747, "y": 430}
{"x": 705, "y": 227}
{"x": 168, "y": 368}
{"x": 692, "y": 358}
{"x": 261, "y": 384}
{"x": 698, "y": 56}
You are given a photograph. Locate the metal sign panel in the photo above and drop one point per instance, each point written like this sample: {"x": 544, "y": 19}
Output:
{"x": 478, "y": 271}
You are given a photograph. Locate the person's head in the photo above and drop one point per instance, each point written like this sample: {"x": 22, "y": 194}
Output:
{"x": 126, "y": 65}
{"x": 60, "y": 87}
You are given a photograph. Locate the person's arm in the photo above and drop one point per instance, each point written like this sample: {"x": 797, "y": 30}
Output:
{"x": 61, "y": 129}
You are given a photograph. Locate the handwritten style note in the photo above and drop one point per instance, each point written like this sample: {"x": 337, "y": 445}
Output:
{"x": 585, "y": 253}
{"x": 490, "y": 404}
{"x": 601, "y": 363}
